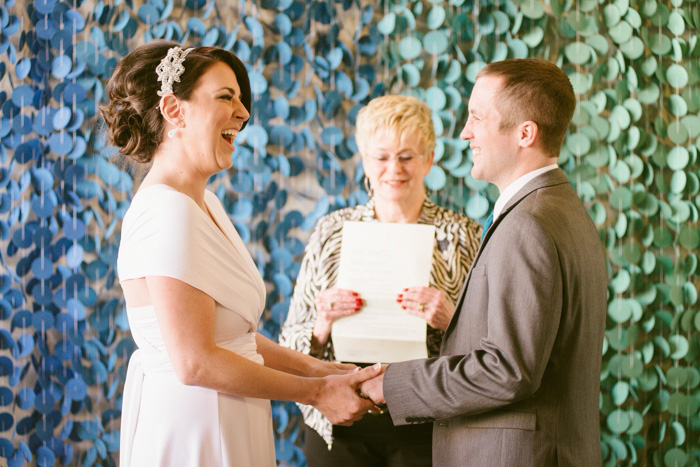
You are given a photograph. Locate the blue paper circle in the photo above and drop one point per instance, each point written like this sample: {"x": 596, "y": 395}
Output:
{"x": 6, "y": 396}
{"x": 60, "y": 66}
{"x": 278, "y": 312}
{"x": 74, "y": 229}
{"x": 74, "y": 21}
{"x": 28, "y": 151}
{"x": 23, "y": 237}
{"x": 61, "y": 143}
{"x": 45, "y": 457}
{"x": 74, "y": 257}
{"x": 23, "y": 67}
{"x": 42, "y": 293}
{"x": 6, "y": 421}
{"x": 43, "y": 321}
{"x": 15, "y": 297}
{"x": 76, "y": 309}
{"x": 43, "y": 123}
{"x": 26, "y": 345}
{"x": 42, "y": 267}
{"x": 74, "y": 174}
{"x": 62, "y": 40}
{"x": 5, "y": 309}
{"x": 6, "y": 448}
{"x": 22, "y": 96}
{"x": 73, "y": 94}
{"x": 64, "y": 324}
{"x": 331, "y": 136}
{"x": 17, "y": 459}
{"x": 22, "y": 125}
{"x": 64, "y": 349}
{"x": 45, "y": 29}
{"x": 22, "y": 319}
{"x": 79, "y": 147}
{"x": 44, "y": 402}
{"x": 76, "y": 122}
{"x": 44, "y": 6}
{"x": 6, "y": 366}
{"x": 25, "y": 399}
{"x": 42, "y": 179}
{"x": 98, "y": 372}
{"x": 61, "y": 118}
{"x": 87, "y": 430}
{"x": 76, "y": 389}
{"x": 120, "y": 21}
{"x": 78, "y": 70}
{"x": 44, "y": 206}
{"x": 5, "y": 127}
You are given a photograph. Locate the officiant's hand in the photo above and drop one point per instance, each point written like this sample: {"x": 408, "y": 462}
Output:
{"x": 374, "y": 388}
{"x": 338, "y": 397}
{"x": 332, "y": 304}
{"x": 428, "y": 303}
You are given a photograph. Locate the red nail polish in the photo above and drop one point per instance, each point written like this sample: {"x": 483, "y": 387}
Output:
{"x": 403, "y": 306}
{"x": 358, "y": 301}
{"x": 356, "y": 294}
{"x": 398, "y": 300}
{"x": 405, "y": 290}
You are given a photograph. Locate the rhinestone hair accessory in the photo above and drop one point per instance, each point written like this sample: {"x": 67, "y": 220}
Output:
{"x": 170, "y": 68}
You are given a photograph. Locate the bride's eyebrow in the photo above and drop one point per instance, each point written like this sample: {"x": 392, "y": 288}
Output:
{"x": 231, "y": 90}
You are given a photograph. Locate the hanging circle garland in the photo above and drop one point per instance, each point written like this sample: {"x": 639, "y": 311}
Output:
{"x": 632, "y": 156}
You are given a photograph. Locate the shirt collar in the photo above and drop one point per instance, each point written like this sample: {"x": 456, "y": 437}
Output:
{"x": 515, "y": 186}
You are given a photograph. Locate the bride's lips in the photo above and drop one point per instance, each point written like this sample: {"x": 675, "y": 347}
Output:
{"x": 229, "y": 136}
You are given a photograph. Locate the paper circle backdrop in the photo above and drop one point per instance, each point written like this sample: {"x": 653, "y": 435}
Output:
{"x": 631, "y": 154}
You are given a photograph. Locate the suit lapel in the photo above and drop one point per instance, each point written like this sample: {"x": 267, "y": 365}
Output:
{"x": 547, "y": 179}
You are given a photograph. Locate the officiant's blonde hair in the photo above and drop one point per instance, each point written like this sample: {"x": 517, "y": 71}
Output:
{"x": 403, "y": 114}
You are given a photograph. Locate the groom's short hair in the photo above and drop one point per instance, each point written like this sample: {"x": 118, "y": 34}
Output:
{"x": 534, "y": 90}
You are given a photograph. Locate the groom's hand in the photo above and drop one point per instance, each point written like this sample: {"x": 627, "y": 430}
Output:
{"x": 338, "y": 399}
{"x": 374, "y": 389}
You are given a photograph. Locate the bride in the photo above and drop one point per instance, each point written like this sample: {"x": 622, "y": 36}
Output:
{"x": 198, "y": 387}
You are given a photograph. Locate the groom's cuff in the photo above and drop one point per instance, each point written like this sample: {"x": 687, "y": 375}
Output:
{"x": 399, "y": 394}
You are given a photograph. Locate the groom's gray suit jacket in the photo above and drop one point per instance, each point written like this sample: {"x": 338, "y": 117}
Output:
{"x": 518, "y": 379}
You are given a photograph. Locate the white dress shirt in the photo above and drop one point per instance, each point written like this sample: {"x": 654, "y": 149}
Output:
{"x": 514, "y": 187}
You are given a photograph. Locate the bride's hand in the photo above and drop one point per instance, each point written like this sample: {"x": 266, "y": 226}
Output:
{"x": 333, "y": 368}
{"x": 323, "y": 368}
{"x": 338, "y": 399}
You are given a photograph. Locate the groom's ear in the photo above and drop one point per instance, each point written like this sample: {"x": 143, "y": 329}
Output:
{"x": 528, "y": 133}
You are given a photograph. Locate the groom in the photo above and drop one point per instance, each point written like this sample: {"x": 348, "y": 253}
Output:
{"x": 517, "y": 380}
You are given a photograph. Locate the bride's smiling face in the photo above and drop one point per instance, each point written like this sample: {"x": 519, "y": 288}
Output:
{"x": 213, "y": 117}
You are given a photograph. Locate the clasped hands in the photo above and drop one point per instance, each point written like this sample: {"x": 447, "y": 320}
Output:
{"x": 346, "y": 397}
{"x": 373, "y": 388}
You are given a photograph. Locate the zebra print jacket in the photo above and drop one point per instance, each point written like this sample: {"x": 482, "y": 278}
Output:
{"x": 457, "y": 240}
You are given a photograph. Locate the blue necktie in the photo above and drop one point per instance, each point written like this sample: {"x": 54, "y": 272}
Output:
{"x": 487, "y": 225}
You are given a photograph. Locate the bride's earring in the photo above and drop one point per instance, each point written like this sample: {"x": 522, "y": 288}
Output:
{"x": 171, "y": 133}
{"x": 368, "y": 188}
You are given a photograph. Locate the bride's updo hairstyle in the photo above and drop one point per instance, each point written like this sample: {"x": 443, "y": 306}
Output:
{"x": 132, "y": 116}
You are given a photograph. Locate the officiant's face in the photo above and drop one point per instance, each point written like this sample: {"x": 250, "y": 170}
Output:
{"x": 396, "y": 164}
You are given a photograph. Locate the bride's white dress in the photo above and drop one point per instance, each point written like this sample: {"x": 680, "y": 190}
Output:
{"x": 165, "y": 423}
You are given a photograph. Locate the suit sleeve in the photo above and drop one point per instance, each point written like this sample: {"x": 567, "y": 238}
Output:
{"x": 522, "y": 281}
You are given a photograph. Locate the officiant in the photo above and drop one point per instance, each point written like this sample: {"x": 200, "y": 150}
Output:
{"x": 396, "y": 140}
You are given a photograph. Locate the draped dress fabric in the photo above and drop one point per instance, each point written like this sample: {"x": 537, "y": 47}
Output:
{"x": 164, "y": 422}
